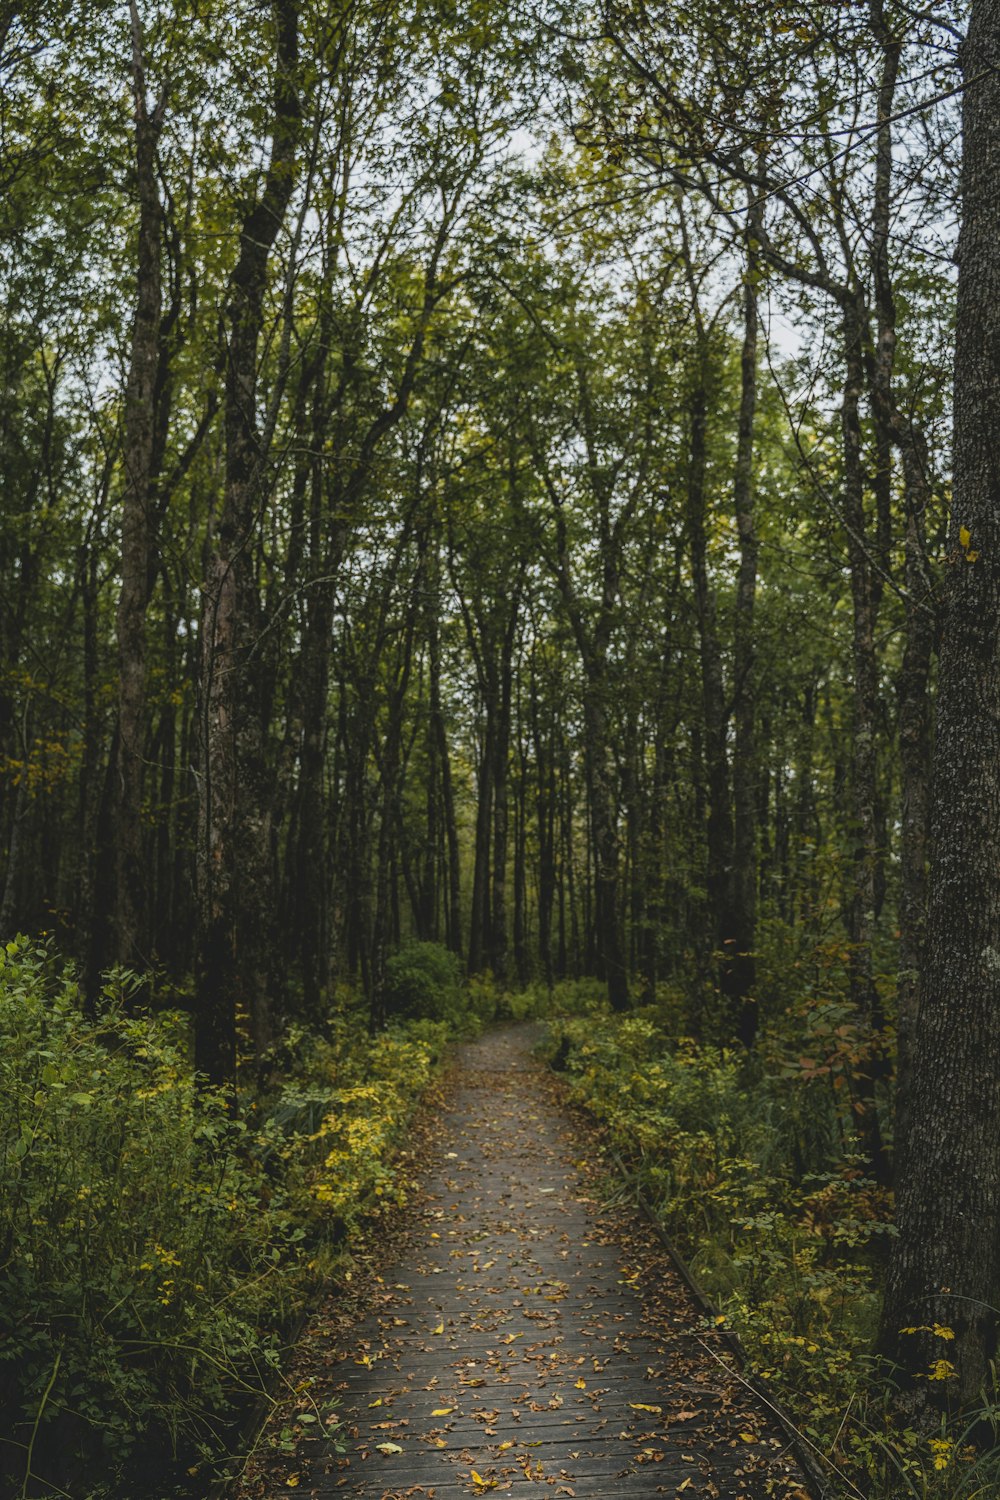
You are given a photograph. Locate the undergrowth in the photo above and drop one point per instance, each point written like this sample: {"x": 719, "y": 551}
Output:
{"x": 155, "y": 1245}
{"x": 749, "y": 1163}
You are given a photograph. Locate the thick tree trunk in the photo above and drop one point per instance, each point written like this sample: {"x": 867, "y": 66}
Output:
{"x": 945, "y": 1263}
{"x": 235, "y": 855}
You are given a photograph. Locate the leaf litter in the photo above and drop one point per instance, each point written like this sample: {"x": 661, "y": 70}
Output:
{"x": 521, "y": 1281}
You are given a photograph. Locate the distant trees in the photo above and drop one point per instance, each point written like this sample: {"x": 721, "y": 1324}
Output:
{"x": 408, "y": 532}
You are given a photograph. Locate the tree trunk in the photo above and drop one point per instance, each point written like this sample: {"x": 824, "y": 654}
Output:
{"x": 546, "y": 798}
{"x": 480, "y": 915}
{"x": 915, "y": 762}
{"x": 439, "y": 734}
{"x": 740, "y": 972}
{"x": 131, "y": 883}
{"x": 945, "y": 1263}
{"x": 898, "y": 428}
{"x": 719, "y": 826}
{"x": 521, "y": 937}
{"x": 311, "y": 892}
{"x": 610, "y": 951}
{"x": 235, "y": 857}
{"x": 868, "y": 875}
{"x": 497, "y": 960}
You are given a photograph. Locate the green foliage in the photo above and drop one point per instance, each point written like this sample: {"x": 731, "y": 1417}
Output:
{"x": 745, "y": 1168}
{"x": 750, "y": 1164}
{"x": 156, "y": 1245}
{"x": 422, "y": 982}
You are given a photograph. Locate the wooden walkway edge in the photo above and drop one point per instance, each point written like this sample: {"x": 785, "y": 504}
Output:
{"x": 525, "y": 1342}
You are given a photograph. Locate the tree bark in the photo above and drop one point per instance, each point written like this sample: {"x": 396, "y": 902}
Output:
{"x": 439, "y": 734}
{"x": 945, "y": 1263}
{"x": 131, "y": 885}
{"x": 868, "y": 882}
{"x": 719, "y": 824}
{"x": 898, "y": 429}
{"x": 234, "y": 867}
{"x": 604, "y": 821}
{"x": 480, "y": 914}
{"x": 740, "y": 969}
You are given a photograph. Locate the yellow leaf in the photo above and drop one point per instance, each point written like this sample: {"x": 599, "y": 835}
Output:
{"x": 638, "y": 1406}
{"x": 581, "y": 1384}
{"x": 749, "y": 1437}
{"x": 504, "y": 1446}
{"x": 292, "y": 1481}
{"x": 442, "y": 1411}
{"x": 964, "y": 536}
{"x": 376, "y": 1403}
{"x": 439, "y": 1328}
{"x": 388, "y": 1447}
{"x": 972, "y": 555}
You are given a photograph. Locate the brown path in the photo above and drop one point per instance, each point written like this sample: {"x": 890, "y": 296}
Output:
{"x": 527, "y": 1338}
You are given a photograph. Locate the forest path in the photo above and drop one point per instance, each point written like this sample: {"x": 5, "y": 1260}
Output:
{"x": 526, "y": 1341}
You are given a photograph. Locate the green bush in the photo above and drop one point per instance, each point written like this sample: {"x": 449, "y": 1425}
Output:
{"x": 423, "y": 982}
{"x": 746, "y": 1167}
{"x": 155, "y": 1246}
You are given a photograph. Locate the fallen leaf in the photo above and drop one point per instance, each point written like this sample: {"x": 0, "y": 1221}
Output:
{"x": 638, "y": 1406}
{"x": 442, "y": 1411}
{"x": 388, "y": 1447}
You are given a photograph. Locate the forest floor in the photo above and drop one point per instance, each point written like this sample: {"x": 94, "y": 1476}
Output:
{"x": 516, "y": 1335}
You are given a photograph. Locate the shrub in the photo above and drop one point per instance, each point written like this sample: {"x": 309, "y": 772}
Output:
{"x": 146, "y": 1266}
{"x": 423, "y": 982}
{"x": 156, "y": 1246}
{"x": 746, "y": 1167}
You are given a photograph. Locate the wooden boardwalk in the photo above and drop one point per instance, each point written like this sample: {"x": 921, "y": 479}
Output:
{"x": 526, "y": 1343}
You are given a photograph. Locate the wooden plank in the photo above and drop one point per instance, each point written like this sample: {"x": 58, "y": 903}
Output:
{"x": 521, "y": 1315}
